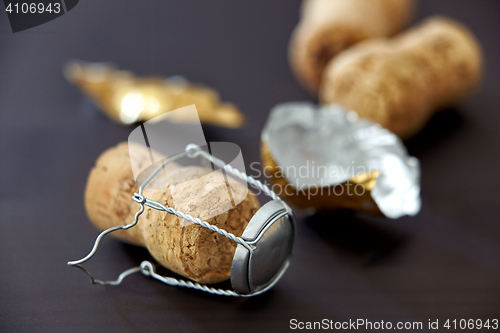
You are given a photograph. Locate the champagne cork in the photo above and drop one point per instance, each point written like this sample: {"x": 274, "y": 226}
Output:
{"x": 327, "y": 27}
{"x": 401, "y": 82}
{"x": 179, "y": 245}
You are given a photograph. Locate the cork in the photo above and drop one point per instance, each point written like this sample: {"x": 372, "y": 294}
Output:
{"x": 327, "y": 27}
{"x": 400, "y": 82}
{"x": 179, "y": 245}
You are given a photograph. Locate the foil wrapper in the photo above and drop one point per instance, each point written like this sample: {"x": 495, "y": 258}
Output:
{"x": 127, "y": 99}
{"x": 318, "y": 148}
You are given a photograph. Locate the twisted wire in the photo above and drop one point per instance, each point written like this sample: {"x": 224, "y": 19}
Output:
{"x": 256, "y": 183}
{"x": 197, "y": 221}
{"x": 239, "y": 174}
{"x": 148, "y": 269}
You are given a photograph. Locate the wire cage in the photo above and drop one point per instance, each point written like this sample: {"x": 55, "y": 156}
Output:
{"x": 263, "y": 250}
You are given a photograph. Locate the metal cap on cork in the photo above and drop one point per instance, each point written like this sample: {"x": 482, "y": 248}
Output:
{"x": 270, "y": 234}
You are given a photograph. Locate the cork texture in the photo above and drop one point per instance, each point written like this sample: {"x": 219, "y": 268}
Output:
{"x": 327, "y": 27}
{"x": 177, "y": 244}
{"x": 399, "y": 82}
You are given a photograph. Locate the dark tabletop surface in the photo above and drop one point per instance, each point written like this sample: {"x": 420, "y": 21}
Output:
{"x": 442, "y": 264}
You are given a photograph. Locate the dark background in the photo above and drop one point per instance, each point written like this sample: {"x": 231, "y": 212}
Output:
{"x": 443, "y": 263}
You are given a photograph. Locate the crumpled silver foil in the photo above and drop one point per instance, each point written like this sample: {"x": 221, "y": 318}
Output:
{"x": 330, "y": 145}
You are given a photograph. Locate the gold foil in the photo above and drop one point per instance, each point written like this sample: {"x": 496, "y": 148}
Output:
{"x": 127, "y": 99}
